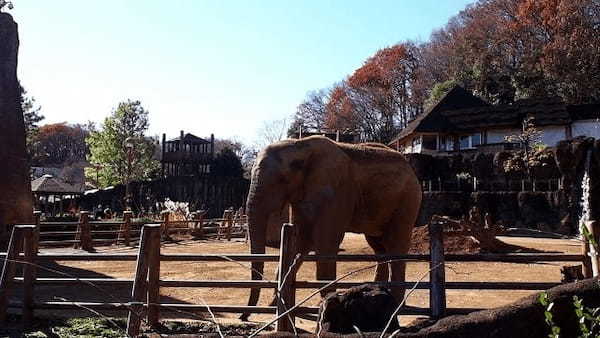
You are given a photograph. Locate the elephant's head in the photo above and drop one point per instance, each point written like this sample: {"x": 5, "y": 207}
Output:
{"x": 286, "y": 172}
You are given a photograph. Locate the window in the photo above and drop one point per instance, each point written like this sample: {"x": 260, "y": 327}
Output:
{"x": 430, "y": 142}
{"x": 475, "y": 140}
{"x": 470, "y": 141}
{"x": 464, "y": 142}
{"x": 443, "y": 143}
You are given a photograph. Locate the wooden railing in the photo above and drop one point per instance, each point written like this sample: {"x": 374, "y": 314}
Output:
{"x": 86, "y": 233}
{"x": 146, "y": 283}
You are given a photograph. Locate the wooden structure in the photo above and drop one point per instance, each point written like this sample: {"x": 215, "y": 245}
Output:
{"x": 49, "y": 192}
{"x": 334, "y": 135}
{"x": 85, "y": 233}
{"x": 188, "y": 155}
{"x": 147, "y": 282}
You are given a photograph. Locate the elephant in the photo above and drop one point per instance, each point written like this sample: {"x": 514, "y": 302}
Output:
{"x": 334, "y": 188}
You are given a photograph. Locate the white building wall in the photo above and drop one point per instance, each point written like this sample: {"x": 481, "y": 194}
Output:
{"x": 551, "y": 135}
{"x": 586, "y": 128}
{"x": 498, "y": 135}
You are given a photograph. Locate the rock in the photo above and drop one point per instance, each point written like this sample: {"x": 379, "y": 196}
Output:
{"x": 535, "y": 208}
{"x": 15, "y": 184}
{"x": 368, "y": 307}
{"x": 523, "y": 318}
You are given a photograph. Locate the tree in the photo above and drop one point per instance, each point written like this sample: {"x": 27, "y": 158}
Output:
{"x": 6, "y": 3}
{"x": 532, "y": 154}
{"x": 227, "y": 164}
{"x": 126, "y": 124}
{"x": 271, "y": 132}
{"x": 438, "y": 91}
{"x": 311, "y": 114}
{"x": 245, "y": 153}
{"x": 60, "y": 144}
{"x": 381, "y": 96}
{"x": 31, "y": 118}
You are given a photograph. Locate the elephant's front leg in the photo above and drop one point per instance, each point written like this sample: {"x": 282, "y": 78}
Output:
{"x": 327, "y": 244}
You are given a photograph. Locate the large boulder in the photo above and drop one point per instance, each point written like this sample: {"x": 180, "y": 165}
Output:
{"x": 366, "y": 307}
{"x": 15, "y": 185}
{"x": 522, "y": 319}
{"x": 536, "y": 209}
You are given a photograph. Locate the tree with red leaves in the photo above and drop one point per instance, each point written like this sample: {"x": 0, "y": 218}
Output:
{"x": 380, "y": 96}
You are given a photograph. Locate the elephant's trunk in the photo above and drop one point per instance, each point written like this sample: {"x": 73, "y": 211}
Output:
{"x": 257, "y": 224}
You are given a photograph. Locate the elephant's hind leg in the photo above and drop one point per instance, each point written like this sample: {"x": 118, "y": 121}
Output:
{"x": 397, "y": 242}
{"x": 382, "y": 273}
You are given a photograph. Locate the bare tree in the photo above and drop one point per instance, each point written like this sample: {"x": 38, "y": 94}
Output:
{"x": 6, "y": 3}
{"x": 271, "y": 132}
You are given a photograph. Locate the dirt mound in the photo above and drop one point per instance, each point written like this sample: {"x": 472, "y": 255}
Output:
{"x": 454, "y": 243}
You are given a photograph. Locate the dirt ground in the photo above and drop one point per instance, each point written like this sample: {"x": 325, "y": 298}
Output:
{"x": 353, "y": 243}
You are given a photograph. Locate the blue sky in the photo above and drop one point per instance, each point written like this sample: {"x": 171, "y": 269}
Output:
{"x": 219, "y": 67}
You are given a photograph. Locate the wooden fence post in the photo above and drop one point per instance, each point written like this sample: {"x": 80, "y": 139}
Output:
{"x": 86, "y": 232}
{"x": 286, "y": 279}
{"x": 594, "y": 230}
{"x": 8, "y": 270}
{"x": 38, "y": 223}
{"x": 199, "y": 223}
{"x": 140, "y": 284}
{"x": 30, "y": 247}
{"x": 587, "y": 261}
{"x": 153, "y": 258}
{"x": 437, "y": 276}
{"x": 165, "y": 223}
{"x": 126, "y": 227}
{"x": 229, "y": 224}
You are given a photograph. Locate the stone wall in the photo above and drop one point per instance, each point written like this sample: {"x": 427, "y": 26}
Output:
{"x": 15, "y": 200}
{"x": 535, "y": 210}
{"x": 557, "y": 211}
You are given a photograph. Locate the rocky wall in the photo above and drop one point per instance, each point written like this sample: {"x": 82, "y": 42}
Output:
{"x": 15, "y": 200}
{"x": 535, "y": 210}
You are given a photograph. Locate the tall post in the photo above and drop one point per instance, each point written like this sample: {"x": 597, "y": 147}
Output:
{"x": 140, "y": 284}
{"x": 286, "y": 279}
{"x": 212, "y": 146}
{"x": 587, "y": 262}
{"x": 199, "y": 223}
{"x": 30, "y": 246}
{"x": 162, "y": 160}
{"x": 86, "y": 232}
{"x": 165, "y": 224}
{"x": 126, "y": 229}
{"x": 38, "y": 222}
{"x": 594, "y": 254}
{"x": 154, "y": 279}
{"x": 437, "y": 276}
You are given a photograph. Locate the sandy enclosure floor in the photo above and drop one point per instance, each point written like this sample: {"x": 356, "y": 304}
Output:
{"x": 353, "y": 243}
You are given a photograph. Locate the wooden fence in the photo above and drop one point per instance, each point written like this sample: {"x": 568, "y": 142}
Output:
{"x": 86, "y": 233}
{"x": 147, "y": 282}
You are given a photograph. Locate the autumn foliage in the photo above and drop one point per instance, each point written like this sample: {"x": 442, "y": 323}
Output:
{"x": 59, "y": 145}
{"x": 502, "y": 50}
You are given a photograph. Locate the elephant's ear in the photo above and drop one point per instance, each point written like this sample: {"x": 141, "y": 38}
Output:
{"x": 326, "y": 170}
